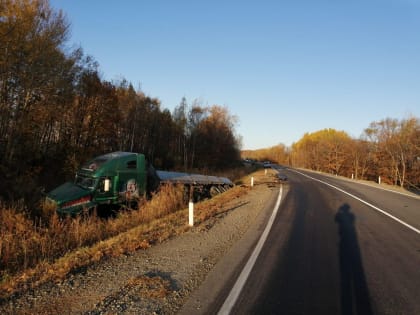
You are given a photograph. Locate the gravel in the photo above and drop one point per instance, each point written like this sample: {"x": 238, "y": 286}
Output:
{"x": 158, "y": 280}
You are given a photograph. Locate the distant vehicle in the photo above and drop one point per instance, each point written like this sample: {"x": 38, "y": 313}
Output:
{"x": 120, "y": 178}
{"x": 248, "y": 162}
{"x": 267, "y": 164}
{"x": 282, "y": 177}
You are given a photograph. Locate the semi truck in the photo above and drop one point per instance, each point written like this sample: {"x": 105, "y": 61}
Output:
{"x": 122, "y": 178}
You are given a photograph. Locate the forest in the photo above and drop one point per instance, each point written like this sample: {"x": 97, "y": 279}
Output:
{"x": 388, "y": 149}
{"x": 56, "y": 111}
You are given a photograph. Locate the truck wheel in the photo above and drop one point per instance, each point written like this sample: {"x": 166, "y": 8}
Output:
{"x": 215, "y": 190}
{"x": 224, "y": 188}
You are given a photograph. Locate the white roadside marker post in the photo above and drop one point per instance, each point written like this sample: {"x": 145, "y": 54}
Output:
{"x": 191, "y": 213}
{"x": 252, "y": 181}
{"x": 191, "y": 207}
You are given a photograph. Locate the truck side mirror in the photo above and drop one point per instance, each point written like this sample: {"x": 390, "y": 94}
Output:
{"x": 107, "y": 184}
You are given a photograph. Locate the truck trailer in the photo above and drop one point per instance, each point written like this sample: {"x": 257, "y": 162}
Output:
{"x": 122, "y": 178}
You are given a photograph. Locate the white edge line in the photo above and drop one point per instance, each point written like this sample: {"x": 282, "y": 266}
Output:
{"x": 358, "y": 181}
{"x": 240, "y": 282}
{"x": 384, "y": 188}
{"x": 365, "y": 202}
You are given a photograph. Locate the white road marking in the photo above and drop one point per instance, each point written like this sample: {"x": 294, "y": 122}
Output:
{"x": 240, "y": 282}
{"x": 371, "y": 184}
{"x": 386, "y": 189}
{"x": 365, "y": 202}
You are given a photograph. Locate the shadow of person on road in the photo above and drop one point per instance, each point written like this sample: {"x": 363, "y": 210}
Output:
{"x": 354, "y": 290}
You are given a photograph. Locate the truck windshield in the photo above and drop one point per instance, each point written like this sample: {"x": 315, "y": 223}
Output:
{"x": 94, "y": 164}
{"x": 85, "y": 182}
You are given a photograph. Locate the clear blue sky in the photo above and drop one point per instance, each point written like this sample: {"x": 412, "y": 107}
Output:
{"x": 282, "y": 67}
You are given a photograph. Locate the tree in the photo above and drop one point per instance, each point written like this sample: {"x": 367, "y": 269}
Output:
{"x": 181, "y": 130}
{"x": 195, "y": 115}
{"x": 397, "y": 149}
{"x": 277, "y": 154}
{"x": 325, "y": 150}
{"x": 217, "y": 146}
{"x": 31, "y": 35}
{"x": 360, "y": 155}
{"x": 35, "y": 76}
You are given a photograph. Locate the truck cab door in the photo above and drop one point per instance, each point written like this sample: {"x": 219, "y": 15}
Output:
{"x": 128, "y": 181}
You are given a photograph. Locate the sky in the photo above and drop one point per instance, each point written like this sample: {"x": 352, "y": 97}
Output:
{"x": 283, "y": 68}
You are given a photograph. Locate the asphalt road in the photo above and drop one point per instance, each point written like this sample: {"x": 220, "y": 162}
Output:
{"x": 329, "y": 253}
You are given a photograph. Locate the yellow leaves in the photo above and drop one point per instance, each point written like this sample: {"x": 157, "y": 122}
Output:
{"x": 325, "y": 135}
{"x": 324, "y": 150}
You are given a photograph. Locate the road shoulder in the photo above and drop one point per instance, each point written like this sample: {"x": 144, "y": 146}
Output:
{"x": 211, "y": 293}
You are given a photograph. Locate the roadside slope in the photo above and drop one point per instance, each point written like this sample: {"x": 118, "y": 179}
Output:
{"x": 157, "y": 280}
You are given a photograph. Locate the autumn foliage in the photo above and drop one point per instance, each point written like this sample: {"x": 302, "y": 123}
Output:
{"x": 56, "y": 112}
{"x": 277, "y": 154}
{"x": 388, "y": 148}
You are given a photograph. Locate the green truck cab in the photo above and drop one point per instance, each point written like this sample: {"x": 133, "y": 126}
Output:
{"x": 109, "y": 179}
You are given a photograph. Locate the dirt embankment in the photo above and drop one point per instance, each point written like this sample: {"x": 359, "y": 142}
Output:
{"x": 158, "y": 280}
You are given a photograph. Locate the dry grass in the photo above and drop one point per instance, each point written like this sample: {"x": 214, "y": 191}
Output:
{"x": 34, "y": 253}
{"x": 151, "y": 286}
